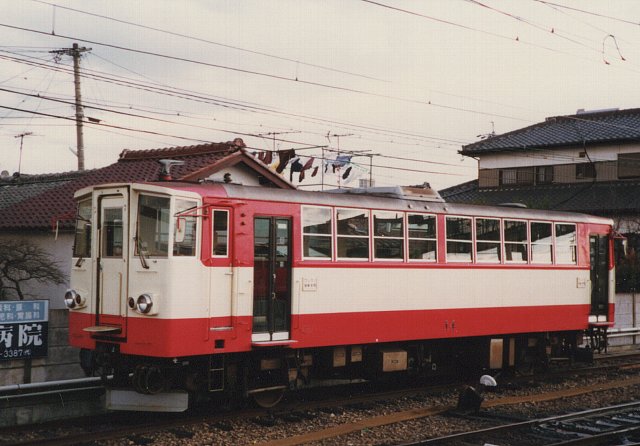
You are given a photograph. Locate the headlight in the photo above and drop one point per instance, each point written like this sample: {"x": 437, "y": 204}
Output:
{"x": 73, "y": 299}
{"x": 144, "y": 304}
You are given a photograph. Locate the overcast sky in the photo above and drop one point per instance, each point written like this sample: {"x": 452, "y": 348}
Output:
{"x": 407, "y": 81}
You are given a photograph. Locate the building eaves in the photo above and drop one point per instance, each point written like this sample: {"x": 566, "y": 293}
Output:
{"x": 562, "y": 131}
{"x": 603, "y": 198}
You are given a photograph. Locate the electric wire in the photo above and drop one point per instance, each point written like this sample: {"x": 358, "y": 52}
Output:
{"x": 272, "y": 76}
{"x": 573, "y": 8}
{"x": 501, "y": 36}
{"x": 528, "y": 22}
{"x": 198, "y": 97}
{"x": 211, "y": 42}
{"x": 149, "y": 132}
{"x": 235, "y": 132}
{"x": 42, "y": 97}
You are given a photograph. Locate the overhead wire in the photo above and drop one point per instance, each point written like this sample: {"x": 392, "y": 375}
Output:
{"x": 235, "y": 131}
{"x": 42, "y": 97}
{"x": 584, "y": 11}
{"x": 238, "y": 48}
{"x": 149, "y": 132}
{"x": 497, "y": 35}
{"x": 528, "y": 22}
{"x": 199, "y": 97}
{"x": 270, "y": 75}
{"x": 305, "y": 143}
{"x": 211, "y": 42}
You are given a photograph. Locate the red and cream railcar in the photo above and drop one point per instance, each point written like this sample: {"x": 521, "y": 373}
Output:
{"x": 180, "y": 287}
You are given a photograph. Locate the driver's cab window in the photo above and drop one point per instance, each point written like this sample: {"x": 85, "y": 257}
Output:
{"x": 185, "y": 228}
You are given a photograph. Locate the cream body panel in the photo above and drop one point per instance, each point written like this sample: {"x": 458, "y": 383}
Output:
{"x": 362, "y": 290}
{"x": 179, "y": 286}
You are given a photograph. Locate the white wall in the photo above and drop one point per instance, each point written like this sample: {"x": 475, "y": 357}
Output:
{"x": 538, "y": 157}
{"x": 60, "y": 249}
{"x": 240, "y": 174}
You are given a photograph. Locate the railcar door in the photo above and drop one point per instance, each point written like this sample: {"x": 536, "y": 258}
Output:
{"x": 112, "y": 264}
{"x": 599, "y": 254}
{"x": 272, "y": 278}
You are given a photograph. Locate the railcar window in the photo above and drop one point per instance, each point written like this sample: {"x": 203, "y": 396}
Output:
{"x": 459, "y": 241}
{"x": 566, "y": 238}
{"x": 220, "y": 228}
{"x": 422, "y": 237}
{"x": 515, "y": 241}
{"x": 488, "y": 240}
{"x": 388, "y": 236}
{"x": 353, "y": 233}
{"x": 541, "y": 243}
{"x": 316, "y": 232}
{"x": 185, "y": 245}
{"x": 112, "y": 233}
{"x": 82, "y": 242}
{"x": 153, "y": 226}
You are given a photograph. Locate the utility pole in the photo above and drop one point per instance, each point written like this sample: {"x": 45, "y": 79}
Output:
{"x": 76, "y": 52}
{"x": 21, "y": 136}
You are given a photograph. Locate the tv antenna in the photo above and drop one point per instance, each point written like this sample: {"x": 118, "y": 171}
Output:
{"x": 21, "y": 136}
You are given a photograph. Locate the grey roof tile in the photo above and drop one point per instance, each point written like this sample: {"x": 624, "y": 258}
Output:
{"x": 590, "y": 128}
{"x": 602, "y": 198}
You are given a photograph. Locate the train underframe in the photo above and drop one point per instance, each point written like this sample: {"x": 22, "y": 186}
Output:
{"x": 266, "y": 374}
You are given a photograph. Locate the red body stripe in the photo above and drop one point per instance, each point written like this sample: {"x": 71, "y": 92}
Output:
{"x": 186, "y": 337}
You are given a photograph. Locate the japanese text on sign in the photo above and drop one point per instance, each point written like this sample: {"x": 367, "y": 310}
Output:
{"x": 24, "y": 327}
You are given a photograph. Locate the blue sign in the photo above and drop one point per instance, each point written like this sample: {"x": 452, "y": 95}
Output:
{"x": 24, "y": 328}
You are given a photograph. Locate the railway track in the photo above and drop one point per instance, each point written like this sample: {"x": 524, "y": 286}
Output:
{"x": 619, "y": 424}
{"x": 135, "y": 426}
{"x": 414, "y": 414}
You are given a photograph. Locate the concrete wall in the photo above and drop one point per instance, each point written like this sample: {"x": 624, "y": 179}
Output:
{"x": 626, "y": 305}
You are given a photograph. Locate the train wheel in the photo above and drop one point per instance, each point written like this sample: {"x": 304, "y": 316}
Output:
{"x": 268, "y": 397}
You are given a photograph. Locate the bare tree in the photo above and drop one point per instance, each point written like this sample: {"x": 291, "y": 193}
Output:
{"x": 22, "y": 261}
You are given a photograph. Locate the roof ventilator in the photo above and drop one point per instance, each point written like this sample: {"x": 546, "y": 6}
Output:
{"x": 165, "y": 173}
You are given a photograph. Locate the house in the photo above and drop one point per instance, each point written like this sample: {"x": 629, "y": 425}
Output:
{"x": 587, "y": 162}
{"x": 41, "y": 209}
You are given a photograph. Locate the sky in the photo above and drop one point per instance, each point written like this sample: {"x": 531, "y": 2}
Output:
{"x": 399, "y": 85}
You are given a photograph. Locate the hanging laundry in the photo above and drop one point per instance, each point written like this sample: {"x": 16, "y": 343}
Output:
{"x": 266, "y": 157}
{"x": 315, "y": 171}
{"x": 336, "y": 164}
{"x": 356, "y": 172}
{"x": 296, "y": 166}
{"x": 284, "y": 157}
{"x": 306, "y": 166}
{"x": 347, "y": 172}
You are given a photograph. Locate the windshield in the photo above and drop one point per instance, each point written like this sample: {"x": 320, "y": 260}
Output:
{"x": 153, "y": 226}
{"x": 82, "y": 242}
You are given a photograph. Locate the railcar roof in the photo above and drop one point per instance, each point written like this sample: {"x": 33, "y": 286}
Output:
{"x": 375, "y": 201}
{"x": 371, "y": 201}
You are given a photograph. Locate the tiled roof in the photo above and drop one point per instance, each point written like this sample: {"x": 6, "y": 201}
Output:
{"x": 582, "y": 128}
{"x": 37, "y": 190}
{"x": 601, "y": 198}
{"x": 37, "y": 202}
